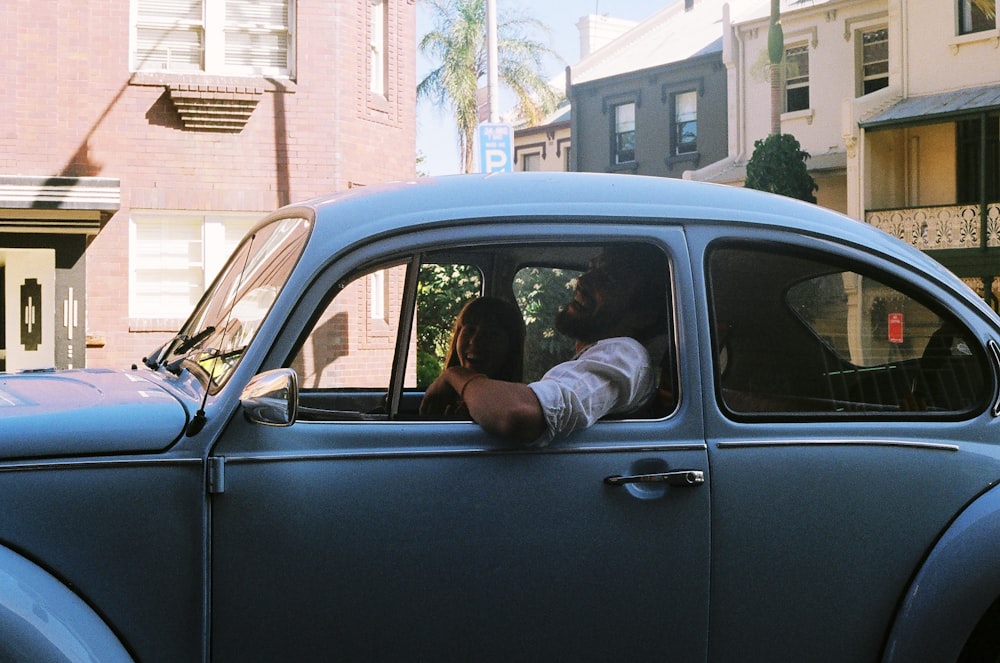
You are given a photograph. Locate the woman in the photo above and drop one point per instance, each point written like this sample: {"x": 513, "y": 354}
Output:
{"x": 488, "y": 338}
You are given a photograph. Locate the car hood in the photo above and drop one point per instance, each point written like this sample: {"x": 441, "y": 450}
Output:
{"x": 86, "y": 411}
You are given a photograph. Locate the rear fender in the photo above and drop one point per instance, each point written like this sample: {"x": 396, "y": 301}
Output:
{"x": 42, "y": 620}
{"x": 956, "y": 585}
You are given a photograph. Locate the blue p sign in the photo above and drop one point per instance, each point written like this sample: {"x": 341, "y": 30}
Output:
{"x": 496, "y": 148}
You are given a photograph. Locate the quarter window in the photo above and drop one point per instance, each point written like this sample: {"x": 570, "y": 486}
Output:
{"x": 796, "y": 78}
{"x": 874, "y": 60}
{"x": 241, "y": 37}
{"x": 798, "y": 335}
{"x": 624, "y": 133}
{"x": 685, "y": 132}
{"x": 976, "y": 16}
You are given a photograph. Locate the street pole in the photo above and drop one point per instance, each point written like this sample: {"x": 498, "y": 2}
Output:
{"x": 492, "y": 77}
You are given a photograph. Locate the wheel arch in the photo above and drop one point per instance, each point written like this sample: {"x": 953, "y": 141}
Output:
{"x": 43, "y": 619}
{"x": 954, "y": 588}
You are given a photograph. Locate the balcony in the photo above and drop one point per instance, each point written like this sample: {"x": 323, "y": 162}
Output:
{"x": 941, "y": 227}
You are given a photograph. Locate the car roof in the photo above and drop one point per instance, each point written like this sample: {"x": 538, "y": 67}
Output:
{"x": 395, "y": 206}
{"x": 360, "y": 214}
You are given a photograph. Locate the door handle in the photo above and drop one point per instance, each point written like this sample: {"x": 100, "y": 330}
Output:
{"x": 674, "y": 478}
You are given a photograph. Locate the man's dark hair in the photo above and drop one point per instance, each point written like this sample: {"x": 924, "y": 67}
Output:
{"x": 647, "y": 266}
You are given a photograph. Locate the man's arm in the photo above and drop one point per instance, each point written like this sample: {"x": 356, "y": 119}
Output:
{"x": 507, "y": 409}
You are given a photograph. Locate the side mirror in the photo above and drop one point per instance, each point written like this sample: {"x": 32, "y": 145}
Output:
{"x": 272, "y": 398}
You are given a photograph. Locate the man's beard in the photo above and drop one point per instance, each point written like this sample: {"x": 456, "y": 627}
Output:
{"x": 586, "y": 329}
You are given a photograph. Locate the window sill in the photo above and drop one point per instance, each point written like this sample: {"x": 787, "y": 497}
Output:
{"x": 264, "y": 83}
{"x": 693, "y": 158}
{"x": 974, "y": 37}
{"x": 806, "y": 115}
{"x": 627, "y": 167}
{"x": 144, "y": 325}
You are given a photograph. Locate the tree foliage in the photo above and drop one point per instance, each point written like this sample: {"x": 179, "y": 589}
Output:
{"x": 458, "y": 44}
{"x": 778, "y": 165}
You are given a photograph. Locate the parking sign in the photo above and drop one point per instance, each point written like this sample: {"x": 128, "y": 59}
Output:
{"x": 496, "y": 148}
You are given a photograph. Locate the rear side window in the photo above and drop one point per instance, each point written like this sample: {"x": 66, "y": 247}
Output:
{"x": 798, "y": 335}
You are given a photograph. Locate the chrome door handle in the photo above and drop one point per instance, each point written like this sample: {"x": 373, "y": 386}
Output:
{"x": 675, "y": 478}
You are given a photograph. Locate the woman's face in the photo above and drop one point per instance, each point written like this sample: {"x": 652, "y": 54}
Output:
{"x": 482, "y": 346}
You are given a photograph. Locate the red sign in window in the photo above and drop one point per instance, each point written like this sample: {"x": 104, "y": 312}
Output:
{"x": 895, "y": 327}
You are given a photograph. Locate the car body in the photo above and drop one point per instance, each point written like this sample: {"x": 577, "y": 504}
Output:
{"x": 817, "y": 481}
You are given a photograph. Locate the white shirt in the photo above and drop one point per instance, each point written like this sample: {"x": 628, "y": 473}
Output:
{"x": 613, "y": 375}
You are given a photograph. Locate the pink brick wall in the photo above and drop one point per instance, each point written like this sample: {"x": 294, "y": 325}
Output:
{"x": 71, "y": 107}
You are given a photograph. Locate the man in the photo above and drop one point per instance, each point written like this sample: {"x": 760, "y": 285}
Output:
{"x": 618, "y": 304}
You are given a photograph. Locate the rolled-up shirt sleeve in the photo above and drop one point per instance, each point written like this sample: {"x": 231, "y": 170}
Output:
{"x": 611, "y": 376}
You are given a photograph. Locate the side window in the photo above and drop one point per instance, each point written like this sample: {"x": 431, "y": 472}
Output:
{"x": 798, "y": 335}
{"x": 353, "y": 341}
{"x": 345, "y": 365}
{"x": 357, "y": 363}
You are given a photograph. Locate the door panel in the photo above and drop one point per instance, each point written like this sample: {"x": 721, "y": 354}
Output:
{"x": 380, "y": 541}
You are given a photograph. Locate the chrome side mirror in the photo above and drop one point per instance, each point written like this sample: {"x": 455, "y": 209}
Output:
{"x": 272, "y": 398}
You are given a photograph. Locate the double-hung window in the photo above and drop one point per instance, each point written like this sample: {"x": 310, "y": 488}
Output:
{"x": 175, "y": 255}
{"x": 624, "y": 143}
{"x": 976, "y": 16}
{"x": 874, "y": 60}
{"x": 685, "y": 133}
{"x": 378, "y": 55}
{"x": 228, "y": 37}
{"x": 796, "y": 78}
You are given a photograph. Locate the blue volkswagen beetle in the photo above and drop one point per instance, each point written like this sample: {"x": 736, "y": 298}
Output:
{"x": 817, "y": 481}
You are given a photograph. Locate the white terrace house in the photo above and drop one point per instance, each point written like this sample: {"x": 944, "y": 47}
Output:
{"x": 926, "y": 155}
{"x": 898, "y": 102}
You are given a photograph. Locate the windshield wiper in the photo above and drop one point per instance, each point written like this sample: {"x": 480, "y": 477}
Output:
{"x": 189, "y": 342}
{"x": 159, "y": 357}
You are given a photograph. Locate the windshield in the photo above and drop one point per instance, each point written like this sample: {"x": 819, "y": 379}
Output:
{"x": 227, "y": 318}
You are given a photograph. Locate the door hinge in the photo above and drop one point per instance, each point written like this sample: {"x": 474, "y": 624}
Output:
{"x": 215, "y": 475}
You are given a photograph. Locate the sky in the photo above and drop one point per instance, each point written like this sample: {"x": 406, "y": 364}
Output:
{"x": 436, "y": 132}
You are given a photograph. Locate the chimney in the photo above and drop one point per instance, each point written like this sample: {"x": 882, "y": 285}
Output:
{"x": 596, "y": 31}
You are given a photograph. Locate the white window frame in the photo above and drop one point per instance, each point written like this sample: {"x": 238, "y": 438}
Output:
{"x": 378, "y": 60}
{"x": 799, "y": 80}
{"x": 623, "y": 125}
{"x": 200, "y": 251}
{"x": 685, "y": 113}
{"x": 532, "y": 161}
{"x": 963, "y": 19}
{"x": 205, "y": 28}
{"x": 864, "y": 63}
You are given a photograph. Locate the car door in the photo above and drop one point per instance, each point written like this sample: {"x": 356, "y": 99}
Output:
{"x": 373, "y": 536}
{"x": 847, "y": 391}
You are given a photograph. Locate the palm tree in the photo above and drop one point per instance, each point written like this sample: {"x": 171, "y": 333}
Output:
{"x": 458, "y": 42}
{"x": 775, "y": 54}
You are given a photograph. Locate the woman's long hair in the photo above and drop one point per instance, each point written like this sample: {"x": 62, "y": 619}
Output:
{"x": 500, "y": 313}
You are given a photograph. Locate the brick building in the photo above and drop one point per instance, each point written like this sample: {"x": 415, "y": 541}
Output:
{"x": 140, "y": 140}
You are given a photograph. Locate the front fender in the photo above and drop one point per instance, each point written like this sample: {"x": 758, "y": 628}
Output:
{"x": 42, "y": 620}
{"x": 957, "y": 584}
